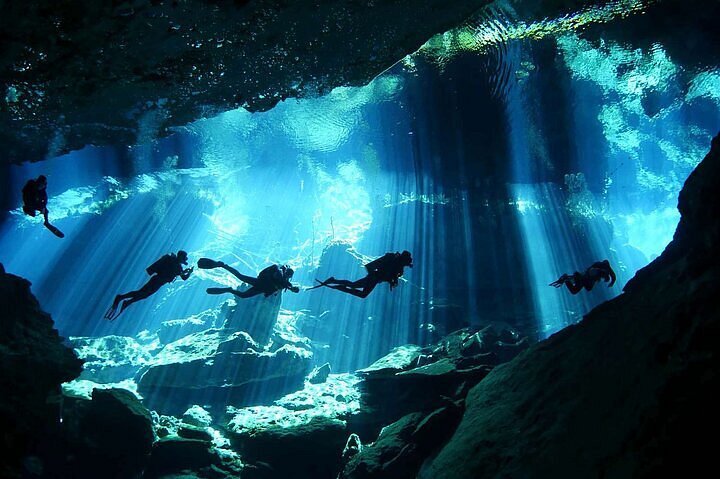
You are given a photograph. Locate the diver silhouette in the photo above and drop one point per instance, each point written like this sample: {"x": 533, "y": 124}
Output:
{"x": 34, "y": 195}
{"x": 587, "y": 279}
{"x": 271, "y": 280}
{"x": 163, "y": 271}
{"x": 386, "y": 269}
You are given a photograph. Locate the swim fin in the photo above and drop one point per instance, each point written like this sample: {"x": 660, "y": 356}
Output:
{"x": 110, "y": 313}
{"x": 218, "y": 290}
{"x": 54, "y": 230}
{"x": 207, "y": 263}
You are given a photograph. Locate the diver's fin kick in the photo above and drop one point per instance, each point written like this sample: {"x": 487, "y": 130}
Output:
{"x": 319, "y": 285}
{"x": 207, "y": 263}
{"x": 218, "y": 290}
{"x": 54, "y": 230}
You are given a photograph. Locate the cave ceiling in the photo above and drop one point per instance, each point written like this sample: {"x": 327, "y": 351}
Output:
{"x": 81, "y": 72}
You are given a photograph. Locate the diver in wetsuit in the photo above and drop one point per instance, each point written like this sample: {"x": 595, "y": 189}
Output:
{"x": 386, "y": 269}
{"x": 271, "y": 280}
{"x": 164, "y": 271}
{"x": 34, "y": 195}
{"x": 600, "y": 270}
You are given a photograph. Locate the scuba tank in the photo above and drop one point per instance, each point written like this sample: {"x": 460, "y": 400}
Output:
{"x": 165, "y": 265}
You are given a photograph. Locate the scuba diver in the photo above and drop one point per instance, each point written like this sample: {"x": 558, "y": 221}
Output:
{"x": 34, "y": 195}
{"x": 386, "y": 269}
{"x": 271, "y": 280}
{"x": 163, "y": 271}
{"x": 577, "y": 281}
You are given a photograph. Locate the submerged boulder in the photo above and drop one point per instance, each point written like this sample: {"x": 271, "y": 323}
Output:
{"x": 112, "y": 432}
{"x": 310, "y": 450}
{"x": 301, "y": 435}
{"x": 319, "y": 374}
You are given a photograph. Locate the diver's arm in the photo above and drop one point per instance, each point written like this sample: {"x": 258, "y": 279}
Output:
{"x": 186, "y": 273}
{"x": 288, "y": 285}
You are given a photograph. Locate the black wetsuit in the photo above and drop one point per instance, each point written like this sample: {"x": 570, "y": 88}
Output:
{"x": 171, "y": 269}
{"x": 268, "y": 282}
{"x": 34, "y": 199}
{"x": 386, "y": 269}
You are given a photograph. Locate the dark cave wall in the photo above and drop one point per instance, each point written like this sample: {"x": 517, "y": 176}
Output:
{"x": 33, "y": 364}
{"x": 74, "y": 73}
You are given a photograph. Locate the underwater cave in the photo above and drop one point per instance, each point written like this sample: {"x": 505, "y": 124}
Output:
{"x": 284, "y": 147}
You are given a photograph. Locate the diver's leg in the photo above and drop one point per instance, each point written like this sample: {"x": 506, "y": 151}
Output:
{"x": 148, "y": 289}
{"x": 360, "y": 283}
{"x": 363, "y": 293}
{"x": 242, "y": 277}
{"x": 240, "y": 294}
{"x": 345, "y": 289}
{"x": 588, "y": 284}
{"x": 218, "y": 290}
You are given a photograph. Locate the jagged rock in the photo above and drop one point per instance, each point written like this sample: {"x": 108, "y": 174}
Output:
{"x": 194, "y": 432}
{"x": 353, "y": 446}
{"x": 174, "y": 454}
{"x": 110, "y": 359}
{"x": 399, "y": 359}
{"x": 309, "y": 450}
{"x": 402, "y": 446}
{"x": 319, "y": 374}
{"x": 197, "y": 416}
{"x": 414, "y": 379}
{"x": 631, "y": 391}
{"x": 83, "y": 389}
{"x": 112, "y": 432}
{"x": 239, "y": 342}
{"x": 33, "y": 364}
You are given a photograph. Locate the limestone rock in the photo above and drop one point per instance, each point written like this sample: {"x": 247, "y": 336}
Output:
{"x": 399, "y": 359}
{"x": 309, "y": 450}
{"x": 256, "y": 316}
{"x": 197, "y": 416}
{"x": 404, "y": 445}
{"x": 179, "y": 328}
{"x": 319, "y": 374}
{"x": 110, "y": 359}
{"x": 173, "y": 454}
{"x": 194, "y": 432}
{"x": 112, "y": 432}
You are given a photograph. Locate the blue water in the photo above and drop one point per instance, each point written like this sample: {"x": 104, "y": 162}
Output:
{"x": 497, "y": 184}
